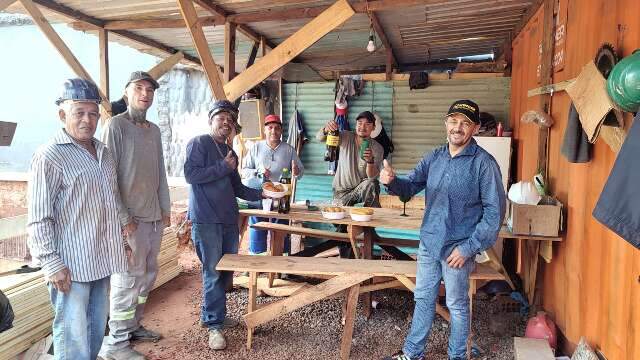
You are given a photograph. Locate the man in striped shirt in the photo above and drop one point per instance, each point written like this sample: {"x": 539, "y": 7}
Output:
{"x": 73, "y": 224}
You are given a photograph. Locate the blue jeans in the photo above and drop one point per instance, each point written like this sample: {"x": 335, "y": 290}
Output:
{"x": 211, "y": 242}
{"x": 258, "y": 238}
{"x": 456, "y": 282}
{"x": 80, "y": 319}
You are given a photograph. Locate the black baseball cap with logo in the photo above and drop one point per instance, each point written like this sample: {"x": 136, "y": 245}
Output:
{"x": 467, "y": 108}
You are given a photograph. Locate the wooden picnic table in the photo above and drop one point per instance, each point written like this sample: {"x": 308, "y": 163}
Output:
{"x": 382, "y": 218}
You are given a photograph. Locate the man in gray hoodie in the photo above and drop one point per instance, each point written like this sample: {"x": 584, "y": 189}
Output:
{"x": 144, "y": 212}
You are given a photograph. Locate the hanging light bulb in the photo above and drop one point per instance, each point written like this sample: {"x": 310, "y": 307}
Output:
{"x": 371, "y": 47}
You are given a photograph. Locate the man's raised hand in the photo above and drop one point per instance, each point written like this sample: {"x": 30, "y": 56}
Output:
{"x": 387, "y": 175}
{"x": 231, "y": 160}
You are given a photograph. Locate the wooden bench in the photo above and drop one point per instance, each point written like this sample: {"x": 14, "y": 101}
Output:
{"x": 279, "y": 232}
{"x": 348, "y": 275}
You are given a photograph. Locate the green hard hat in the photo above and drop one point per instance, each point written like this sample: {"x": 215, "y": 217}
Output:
{"x": 623, "y": 84}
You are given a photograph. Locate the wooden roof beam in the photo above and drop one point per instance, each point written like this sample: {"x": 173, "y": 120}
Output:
{"x": 145, "y": 24}
{"x": 98, "y": 23}
{"x": 165, "y": 65}
{"x": 313, "y": 11}
{"x": 62, "y": 48}
{"x": 5, "y": 4}
{"x": 383, "y": 37}
{"x": 202, "y": 47}
{"x": 229, "y": 51}
{"x": 306, "y": 36}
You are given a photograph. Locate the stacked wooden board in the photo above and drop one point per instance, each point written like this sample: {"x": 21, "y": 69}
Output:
{"x": 29, "y": 299}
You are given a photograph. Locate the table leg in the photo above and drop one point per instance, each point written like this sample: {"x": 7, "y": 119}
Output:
{"x": 243, "y": 222}
{"x": 251, "y": 306}
{"x": 367, "y": 253}
{"x": 350, "y": 316}
{"x": 276, "y": 249}
{"x": 353, "y": 232}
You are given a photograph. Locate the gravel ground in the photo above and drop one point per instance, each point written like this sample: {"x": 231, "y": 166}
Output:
{"x": 314, "y": 331}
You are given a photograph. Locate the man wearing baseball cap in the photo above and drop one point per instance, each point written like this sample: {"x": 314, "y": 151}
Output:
{"x": 144, "y": 213}
{"x": 211, "y": 168}
{"x": 265, "y": 161}
{"x": 465, "y": 205}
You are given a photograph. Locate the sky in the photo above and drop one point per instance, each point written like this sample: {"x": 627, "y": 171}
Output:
{"x": 31, "y": 77}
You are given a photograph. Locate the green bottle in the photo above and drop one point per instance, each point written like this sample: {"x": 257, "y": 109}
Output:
{"x": 364, "y": 145}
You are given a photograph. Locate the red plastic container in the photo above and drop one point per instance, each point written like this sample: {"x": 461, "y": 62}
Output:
{"x": 542, "y": 327}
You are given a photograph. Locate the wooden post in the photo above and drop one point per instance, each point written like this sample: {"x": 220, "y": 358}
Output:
{"x": 103, "y": 40}
{"x": 202, "y": 47}
{"x": 389, "y": 65}
{"x": 367, "y": 253}
{"x": 62, "y": 48}
{"x": 546, "y": 78}
{"x": 263, "y": 46}
{"x": 350, "y": 317}
{"x": 276, "y": 249}
{"x": 251, "y": 305}
{"x": 229, "y": 51}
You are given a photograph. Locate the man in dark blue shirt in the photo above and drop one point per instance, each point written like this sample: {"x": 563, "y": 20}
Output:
{"x": 211, "y": 169}
{"x": 465, "y": 205}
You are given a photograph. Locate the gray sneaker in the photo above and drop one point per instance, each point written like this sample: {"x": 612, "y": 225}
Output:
{"x": 142, "y": 334}
{"x": 126, "y": 353}
{"x": 217, "y": 340}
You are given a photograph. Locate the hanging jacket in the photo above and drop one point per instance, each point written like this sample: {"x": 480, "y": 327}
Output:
{"x": 575, "y": 146}
{"x": 619, "y": 205}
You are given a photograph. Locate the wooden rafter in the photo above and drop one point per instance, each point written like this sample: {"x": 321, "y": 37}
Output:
{"x": 145, "y": 24}
{"x": 312, "y": 11}
{"x": 98, "y": 23}
{"x": 5, "y": 4}
{"x": 252, "y": 55}
{"x": 391, "y": 57}
{"x": 165, "y": 65}
{"x": 229, "y": 51}
{"x": 202, "y": 47}
{"x": 306, "y": 36}
{"x": 62, "y": 48}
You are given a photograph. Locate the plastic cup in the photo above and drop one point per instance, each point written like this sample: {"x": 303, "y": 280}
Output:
{"x": 266, "y": 204}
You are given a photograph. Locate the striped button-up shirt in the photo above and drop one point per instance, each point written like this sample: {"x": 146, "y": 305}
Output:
{"x": 73, "y": 210}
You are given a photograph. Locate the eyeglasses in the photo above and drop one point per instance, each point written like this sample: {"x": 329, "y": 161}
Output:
{"x": 465, "y": 123}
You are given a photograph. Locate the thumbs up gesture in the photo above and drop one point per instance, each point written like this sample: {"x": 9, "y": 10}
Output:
{"x": 387, "y": 174}
{"x": 231, "y": 160}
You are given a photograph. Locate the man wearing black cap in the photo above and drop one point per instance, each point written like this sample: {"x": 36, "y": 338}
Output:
{"x": 356, "y": 178}
{"x": 211, "y": 167}
{"x": 465, "y": 205}
{"x": 144, "y": 212}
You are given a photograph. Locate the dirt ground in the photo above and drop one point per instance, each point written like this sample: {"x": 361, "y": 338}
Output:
{"x": 312, "y": 332}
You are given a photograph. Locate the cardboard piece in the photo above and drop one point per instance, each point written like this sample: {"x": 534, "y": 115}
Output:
{"x": 589, "y": 95}
{"x": 532, "y": 349}
{"x": 539, "y": 220}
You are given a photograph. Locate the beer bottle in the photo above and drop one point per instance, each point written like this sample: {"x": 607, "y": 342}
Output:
{"x": 333, "y": 141}
{"x": 284, "y": 205}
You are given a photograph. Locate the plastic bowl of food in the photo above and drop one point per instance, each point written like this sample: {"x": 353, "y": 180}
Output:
{"x": 275, "y": 190}
{"x": 333, "y": 212}
{"x": 361, "y": 214}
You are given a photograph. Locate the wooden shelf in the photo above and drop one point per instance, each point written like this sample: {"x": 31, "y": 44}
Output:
{"x": 506, "y": 234}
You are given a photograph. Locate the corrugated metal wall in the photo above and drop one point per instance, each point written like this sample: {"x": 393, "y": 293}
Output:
{"x": 418, "y": 115}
